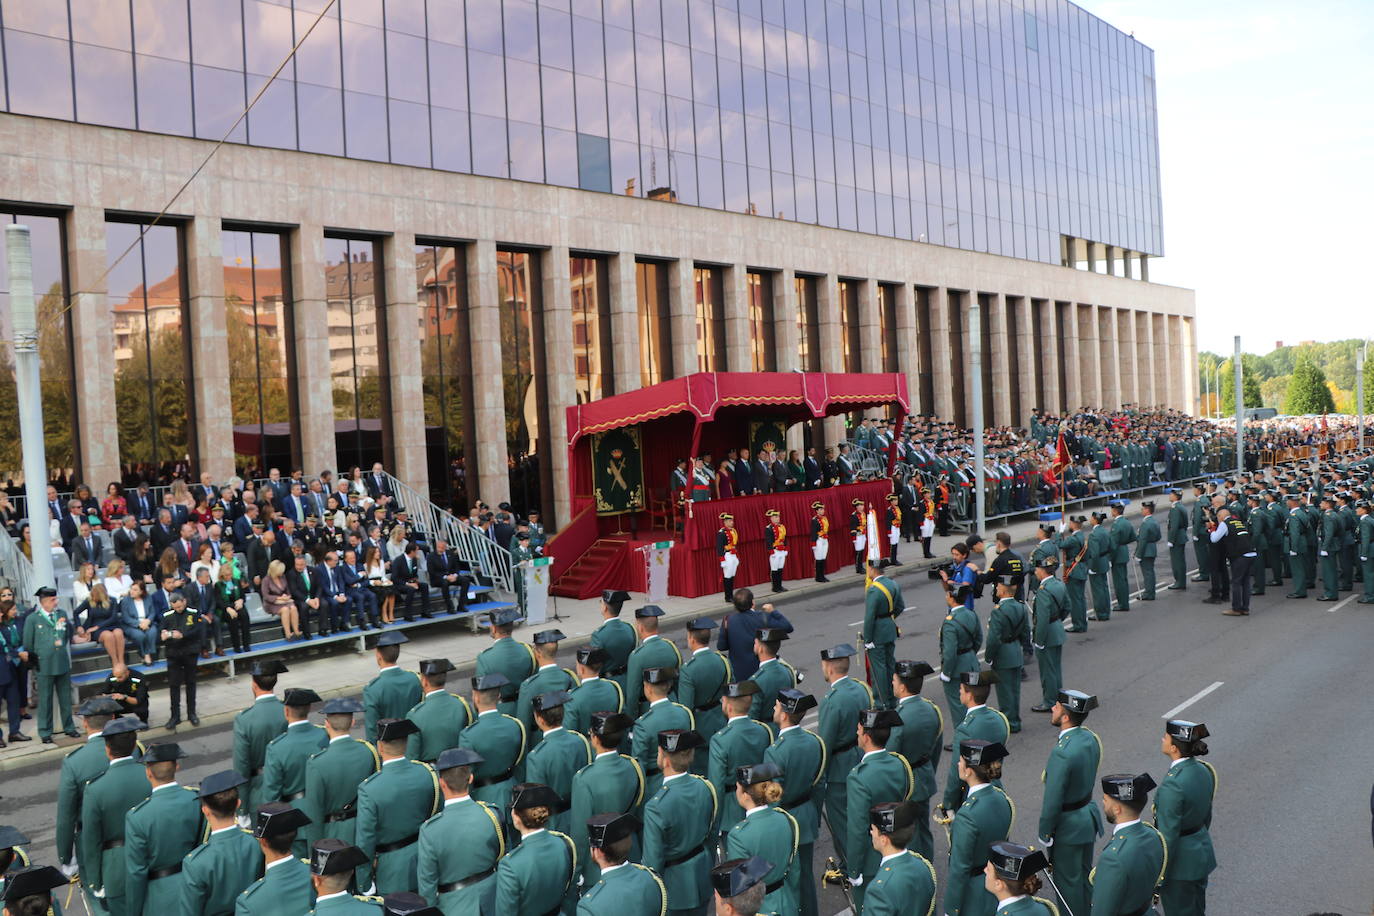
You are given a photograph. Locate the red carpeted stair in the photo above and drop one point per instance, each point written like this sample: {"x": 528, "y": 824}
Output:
{"x": 601, "y": 566}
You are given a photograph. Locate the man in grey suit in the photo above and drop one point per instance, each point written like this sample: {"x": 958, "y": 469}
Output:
{"x": 86, "y": 547}
{"x": 782, "y": 475}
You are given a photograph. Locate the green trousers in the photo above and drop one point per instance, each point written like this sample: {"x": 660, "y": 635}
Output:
{"x": 1277, "y": 564}
{"x": 1072, "y": 862}
{"x": 1049, "y": 660}
{"x": 1147, "y": 578}
{"x": 1367, "y": 569}
{"x": 47, "y": 685}
{"x": 1180, "y": 898}
{"x": 1102, "y": 600}
{"x": 809, "y": 904}
{"x": 1330, "y": 581}
{"x": 1009, "y": 695}
{"x": 1078, "y": 603}
{"x": 1178, "y": 565}
{"x": 921, "y": 840}
{"x": 1346, "y": 564}
{"x": 1202, "y": 550}
{"x": 1298, "y": 568}
{"x": 836, "y": 816}
{"x": 1257, "y": 572}
{"x": 881, "y": 659}
{"x": 956, "y": 708}
{"x": 1121, "y": 584}
{"x": 1312, "y": 567}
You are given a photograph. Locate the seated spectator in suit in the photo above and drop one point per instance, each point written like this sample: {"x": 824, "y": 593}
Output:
{"x": 360, "y": 593}
{"x": 262, "y": 550}
{"x": 140, "y": 621}
{"x": 377, "y": 484}
{"x": 163, "y": 532}
{"x": 334, "y": 594}
{"x": 185, "y": 546}
{"x": 278, "y": 600}
{"x": 69, "y": 525}
{"x": 178, "y": 513}
{"x": 243, "y": 525}
{"x": 124, "y": 537}
{"x": 232, "y": 609}
{"x": 99, "y": 619}
{"x": 142, "y": 506}
{"x": 445, "y": 575}
{"x": 200, "y": 596}
{"x": 410, "y": 590}
{"x": 307, "y": 594}
{"x": 86, "y": 547}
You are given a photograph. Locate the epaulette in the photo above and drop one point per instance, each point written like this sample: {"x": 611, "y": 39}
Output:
{"x": 251, "y": 888}
{"x": 276, "y": 738}
{"x": 368, "y": 778}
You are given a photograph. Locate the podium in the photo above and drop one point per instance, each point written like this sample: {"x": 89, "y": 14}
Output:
{"x": 535, "y": 577}
{"x": 657, "y": 559}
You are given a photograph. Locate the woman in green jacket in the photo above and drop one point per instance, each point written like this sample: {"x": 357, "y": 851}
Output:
{"x": 768, "y": 831}
{"x": 230, "y": 607}
{"x": 1013, "y": 874}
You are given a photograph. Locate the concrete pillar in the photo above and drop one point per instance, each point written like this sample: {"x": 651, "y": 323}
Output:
{"x": 1092, "y": 256}
{"x": 831, "y": 326}
{"x": 403, "y": 329}
{"x": 1030, "y": 360}
{"x": 1145, "y": 267}
{"x": 559, "y": 371}
{"x": 488, "y": 395}
{"x": 739, "y": 354}
{"x": 1149, "y": 360}
{"x": 1109, "y": 344}
{"x": 907, "y": 343}
{"x": 942, "y": 383}
{"x": 1049, "y": 358}
{"x": 1128, "y": 265}
{"x": 1188, "y": 371}
{"x": 624, "y": 308}
{"x": 1073, "y": 358}
{"x": 786, "y": 337}
{"x": 999, "y": 358}
{"x": 1128, "y": 382}
{"x": 870, "y": 328}
{"x": 1163, "y": 387}
{"x": 1112, "y": 254}
{"x": 210, "y": 347}
{"x": 682, "y": 317}
{"x": 92, "y": 331}
{"x": 1090, "y": 351}
{"x": 1066, "y": 251}
{"x": 314, "y": 386}
{"x": 964, "y": 410}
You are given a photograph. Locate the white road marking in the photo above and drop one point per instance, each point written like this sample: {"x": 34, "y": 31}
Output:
{"x": 857, "y": 623}
{"x": 1191, "y": 700}
{"x": 1332, "y": 610}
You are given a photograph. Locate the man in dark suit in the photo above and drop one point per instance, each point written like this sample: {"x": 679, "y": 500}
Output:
{"x": 503, "y": 531}
{"x": 200, "y": 595}
{"x": 360, "y": 597}
{"x": 445, "y": 575}
{"x": 124, "y": 538}
{"x": 333, "y": 593}
{"x": 293, "y": 505}
{"x": 307, "y": 591}
{"x": 737, "y": 631}
{"x": 846, "y": 465}
{"x": 243, "y": 526}
{"x": 782, "y": 477}
{"x": 410, "y": 590}
{"x": 178, "y": 511}
{"x": 315, "y": 499}
{"x": 280, "y": 487}
{"x": 377, "y": 484}
{"x": 186, "y": 547}
{"x": 70, "y": 524}
{"x": 162, "y": 533}
{"x": 812, "y": 469}
{"x": 906, "y": 501}
{"x": 86, "y": 547}
{"x": 262, "y": 550}
{"x": 142, "y": 506}
{"x": 744, "y": 474}
{"x": 763, "y": 474}
{"x": 205, "y": 489}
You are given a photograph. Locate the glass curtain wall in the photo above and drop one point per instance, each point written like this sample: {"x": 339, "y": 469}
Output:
{"x": 710, "y": 315}
{"x": 850, "y": 340}
{"x": 655, "y": 338}
{"x": 591, "y": 313}
{"x": 441, "y": 290}
{"x": 763, "y": 349}
{"x": 357, "y": 351}
{"x": 887, "y": 313}
{"x": 808, "y": 323}
{"x": 524, "y": 379}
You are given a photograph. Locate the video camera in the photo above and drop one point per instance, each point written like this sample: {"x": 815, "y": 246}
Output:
{"x": 946, "y": 567}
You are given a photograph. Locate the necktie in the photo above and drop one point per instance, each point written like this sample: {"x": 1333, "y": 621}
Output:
{"x": 305, "y": 577}
{"x": 90, "y": 551}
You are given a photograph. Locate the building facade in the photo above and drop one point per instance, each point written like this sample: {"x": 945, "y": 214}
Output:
{"x": 443, "y": 222}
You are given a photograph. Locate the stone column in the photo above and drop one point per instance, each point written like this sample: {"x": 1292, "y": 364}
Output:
{"x": 210, "y": 347}
{"x": 92, "y": 331}
{"x": 1090, "y": 352}
{"x": 1163, "y": 381}
{"x": 907, "y": 343}
{"x": 562, "y": 390}
{"x": 870, "y": 328}
{"x": 1109, "y": 372}
{"x": 1188, "y": 371}
{"x": 1049, "y": 358}
{"x": 1128, "y": 385}
{"x": 1030, "y": 361}
{"x": 1073, "y": 357}
{"x": 682, "y": 317}
{"x": 1149, "y": 361}
{"x": 1092, "y": 256}
{"x": 738, "y": 345}
{"x": 786, "y": 336}
{"x": 964, "y": 409}
{"x": 830, "y": 326}
{"x": 489, "y": 402}
{"x": 1145, "y": 267}
{"x": 1128, "y": 264}
{"x": 941, "y": 357}
{"x": 998, "y": 358}
{"x": 624, "y": 308}
{"x": 314, "y": 385}
{"x": 403, "y": 330}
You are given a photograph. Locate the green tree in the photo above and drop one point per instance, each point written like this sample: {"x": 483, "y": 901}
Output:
{"x": 1273, "y": 389}
{"x": 1249, "y": 381}
{"x": 1307, "y": 391}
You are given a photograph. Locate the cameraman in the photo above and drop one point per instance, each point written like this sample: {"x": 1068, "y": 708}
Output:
{"x": 960, "y": 576}
{"x": 1230, "y": 537}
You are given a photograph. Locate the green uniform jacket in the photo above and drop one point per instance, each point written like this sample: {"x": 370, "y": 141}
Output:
{"x": 158, "y": 833}
{"x": 48, "y": 639}
{"x": 535, "y": 877}
{"x": 107, "y": 800}
{"x": 663, "y": 715}
{"x": 1183, "y": 816}
{"x": 1049, "y": 547}
{"x": 611, "y": 784}
{"x": 283, "y": 890}
{"x": 463, "y": 843}
{"x": 1099, "y": 556}
{"x": 78, "y": 768}
{"x": 838, "y": 722}
{"x": 1297, "y": 530}
{"x": 742, "y": 742}
{"x": 254, "y": 727}
{"x": 960, "y": 637}
{"x": 1147, "y": 538}
{"x": 512, "y": 658}
{"x": 392, "y": 804}
{"x": 879, "y": 777}
{"x": 1026, "y": 906}
{"x": 919, "y": 739}
{"x": 389, "y": 695}
{"x": 1073, "y": 547}
{"x": 348, "y": 905}
{"x": 618, "y": 638}
{"x": 500, "y": 739}
{"x": 331, "y": 788}
{"x": 1331, "y": 532}
{"x": 555, "y": 763}
{"x": 773, "y": 675}
{"x": 630, "y": 888}
{"x": 981, "y": 723}
{"x": 441, "y": 718}
{"x": 654, "y": 652}
{"x": 1051, "y": 606}
{"x": 547, "y": 679}
{"x": 699, "y": 685}
{"x": 801, "y": 755}
{"x": 1366, "y": 536}
{"x": 1128, "y": 871}
{"x": 283, "y": 771}
{"x": 984, "y": 818}
{"x": 595, "y": 694}
{"x": 1178, "y": 525}
{"x": 1007, "y": 622}
{"x": 1070, "y": 777}
{"x": 218, "y": 870}
{"x": 883, "y": 602}
{"x": 903, "y": 886}
{"x": 772, "y": 833}
{"x": 1258, "y": 523}
{"x": 678, "y": 821}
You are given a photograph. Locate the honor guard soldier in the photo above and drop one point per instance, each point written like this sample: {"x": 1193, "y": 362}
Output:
{"x": 79, "y": 767}
{"x": 1147, "y": 550}
{"x": 332, "y": 776}
{"x": 1177, "y": 527}
{"x": 773, "y": 675}
{"x": 547, "y": 678}
{"x": 1069, "y": 820}
{"x": 880, "y": 775}
{"x": 679, "y": 825}
{"x": 1183, "y": 817}
{"x": 506, "y": 656}
{"x": 727, "y": 543}
{"x": 554, "y": 764}
{"x": 1047, "y": 634}
{"x": 1258, "y": 522}
{"x": 858, "y": 532}
{"x": 1075, "y": 550}
{"x": 254, "y": 728}
{"x": 460, "y": 846}
{"x": 741, "y": 741}
{"x": 284, "y": 888}
{"x": 394, "y": 691}
{"x": 1365, "y": 528}
{"x": 1012, "y": 876}
{"x": 1099, "y": 561}
{"x": 775, "y": 536}
{"x": 613, "y": 783}
{"x": 614, "y": 635}
{"x": 903, "y": 880}
{"x": 30, "y": 891}
{"x": 1122, "y": 536}
{"x": 221, "y": 868}
{"x": 332, "y": 866}
{"x": 919, "y": 740}
{"x": 47, "y": 634}
{"x": 106, "y": 801}
{"x": 984, "y": 818}
{"x": 662, "y": 714}
{"x": 768, "y": 831}
{"x": 980, "y": 722}
{"x": 623, "y": 886}
{"x": 539, "y": 875}
{"x": 894, "y": 526}
{"x": 182, "y": 632}
{"x": 1329, "y": 546}
{"x": 800, "y": 754}
{"x": 820, "y": 539}
{"x": 440, "y": 716}
{"x": 739, "y": 886}
{"x": 158, "y": 833}
{"x": 594, "y": 691}
{"x": 960, "y": 637}
{"x": 1007, "y": 623}
{"x": 883, "y": 603}
{"x": 838, "y": 721}
{"x": 702, "y": 678}
{"x": 392, "y": 804}
{"x": 1298, "y": 543}
{"x": 498, "y": 738}
{"x": 653, "y": 652}
{"x": 1132, "y": 864}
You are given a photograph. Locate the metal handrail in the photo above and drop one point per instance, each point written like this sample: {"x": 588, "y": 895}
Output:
{"x": 16, "y": 568}
{"x": 484, "y": 555}
{"x": 868, "y": 463}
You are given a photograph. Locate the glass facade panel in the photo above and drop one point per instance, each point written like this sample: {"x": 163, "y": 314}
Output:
{"x": 848, "y": 291}
{"x": 808, "y": 323}
{"x": 441, "y": 290}
{"x": 523, "y": 377}
{"x": 258, "y": 316}
{"x": 154, "y": 405}
{"x": 887, "y": 312}
{"x": 591, "y": 307}
{"x": 357, "y": 350}
{"x": 710, "y": 314}
{"x": 655, "y": 353}
{"x": 762, "y": 337}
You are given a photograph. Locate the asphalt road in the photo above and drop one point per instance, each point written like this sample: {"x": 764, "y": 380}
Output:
{"x": 1283, "y": 693}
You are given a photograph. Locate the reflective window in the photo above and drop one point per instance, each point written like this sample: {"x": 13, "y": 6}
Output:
{"x": 441, "y": 290}
{"x": 259, "y": 320}
{"x": 710, "y": 319}
{"x": 357, "y": 350}
{"x": 848, "y": 302}
{"x": 887, "y": 312}
{"x": 762, "y": 336}
{"x": 808, "y": 323}
{"x": 591, "y": 310}
{"x": 655, "y": 355}
{"x": 523, "y": 377}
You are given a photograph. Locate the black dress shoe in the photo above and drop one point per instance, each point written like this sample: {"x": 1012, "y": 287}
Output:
{"x": 1175, "y": 587}
{"x": 72, "y": 734}
{"x": 194, "y": 719}
{"x": 427, "y": 616}
{"x": 20, "y": 737}
{"x": 1291, "y": 595}
{"x": 1041, "y": 708}
{"x": 172, "y": 723}
{"x": 48, "y": 740}
{"x": 1325, "y": 598}
{"x": 949, "y": 747}
{"x": 1199, "y": 579}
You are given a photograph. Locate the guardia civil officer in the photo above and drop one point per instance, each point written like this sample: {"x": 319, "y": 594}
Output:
{"x": 392, "y": 804}
{"x": 614, "y": 635}
{"x": 879, "y": 776}
{"x": 622, "y": 887}
{"x": 1012, "y": 876}
{"x": 702, "y": 678}
{"x": 222, "y": 867}
{"x": 984, "y": 818}
{"x": 679, "y": 824}
{"x": 662, "y": 714}
{"x": 539, "y": 875}
{"x": 498, "y": 738}
{"x": 594, "y": 692}
{"x": 158, "y": 833}
{"x": 961, "y": 635}
{"x": 440, "y": 716}
{"x": 182, "y": 632}
{"x": 1007, "y": 624}
{"x": 838, "y": 721}
{"x": 547, "y": 678}
{"x": 904, "y": 880}
{"x": 1132, "y": 863}
{"x": 919, "y": 739}
{"x": 506, "y": 656}
{"x": 653, "y": 652}
{"x": 255, "y": 727}
{"x": 104, "y": 805}
{"x": 28, "y": 892}
{"x": 980, "y": 722}
{"x": 769, "y": 831}
{"x": 394, "y": 691}
{"x": 1147, "y": 550}
{"x": 554, "y": 764}
{"x": 1183, "y": 817}
{"x": 460, "y": 846}
{"x": 79, "y": 767}
{"x": 613, "y": 783}
{"x": 738, "y": 886}
{"x": 284, "y": 888}
{"x": 742, "y": 740}
{"x": 800, "y": 754}
{"x": 332, "y": 775}
{"x": 773, "y": 675}
{"x": 1047, "y": 634}
{"x": 883, "y": 603}
{"x": 1122, "y": 535}
{"x": 1069, "y": 820}
{"x": 332, "y": 866}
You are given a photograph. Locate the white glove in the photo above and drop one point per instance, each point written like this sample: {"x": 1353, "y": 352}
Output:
{"x": 69, "y": 870}
{"x": 1170, "y": 543}
{"x": 1046, "y": 843}
{"x": 1038, "y": 647}
{"x": 1292, "y": 553}
{"x": 870, "y": 646}
{"x": 944, "y": 677}
{"x": 243, "y": 821}
{"x": 1325, "y": 554}
{"x": 99, "y": 893}
{"x": 856, "y": 881}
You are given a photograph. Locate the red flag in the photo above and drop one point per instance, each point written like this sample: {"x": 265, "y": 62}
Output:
{"x": 1062, "y": 459}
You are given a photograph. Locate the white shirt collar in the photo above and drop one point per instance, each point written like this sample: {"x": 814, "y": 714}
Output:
{"x": 978, "y": 788}
{"x": 1120, "y": 827}
{"x": 549, "y": 665}
{"x": 1001, "y": 906}
{"x": 338, "y": 738}
{"x": 264, "y": 696}
{"x": 166, "y": 785}
{"x": 649, "y": 637}
{"x": 591, "y": 677}
{"x": 556, "y": 728}
{"x": 1177, "y": 762}
{"x": 842, "y": 677}
{"x": 297, "y": 722}
{"x": 276, "y": 862}
{"x": 534, "y": 833}
{"x": 394, "y": 760}
{"x": 885, "y": 859}
{"x": 979, "y": 706}
{"x": 789, "y": 728}
{"x": 433, "y": 692}
{"x": 607, "y": 754}
{"x": 733, "y": 718}
{"x": 457, "y": 801}
{"x": 755, "y": 810}
{"x": 868, "y": 754}
{"x": 695, "y": 652}
{"x": 659, "y": 700}
{"x": 611, "y": 868}
{"x": 120, "y": 760}
{"x": 386, "y": 668}
{"x": 319, "y": 900}
{"x": 668, "y": 779}
{"x": 1067, "y": 730}
{"x": 487, "y": 712}
{"x": 222, "y": 829}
